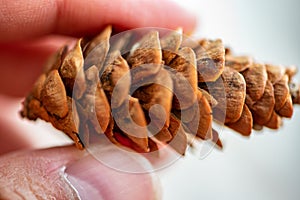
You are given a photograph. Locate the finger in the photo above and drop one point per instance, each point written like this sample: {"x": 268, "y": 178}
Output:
{"x": 66, "y": 173}
{"x": 32, "y": 18}
{"x": 11, "y": 140}
{"x": 10, "y": 137}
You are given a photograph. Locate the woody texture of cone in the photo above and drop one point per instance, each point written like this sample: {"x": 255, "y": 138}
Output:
{"x": 154, "y": 87}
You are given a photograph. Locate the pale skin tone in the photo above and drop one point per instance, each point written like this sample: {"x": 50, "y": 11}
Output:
{"x": 30, "y": 31}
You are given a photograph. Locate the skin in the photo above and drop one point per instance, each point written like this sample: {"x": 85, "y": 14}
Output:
{"x": 30, "y": 32}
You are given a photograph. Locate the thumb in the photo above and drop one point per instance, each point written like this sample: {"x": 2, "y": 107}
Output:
{"x": 67, "y": 173}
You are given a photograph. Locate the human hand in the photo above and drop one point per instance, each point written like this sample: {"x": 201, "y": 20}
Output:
{"x": 31, "y": 31}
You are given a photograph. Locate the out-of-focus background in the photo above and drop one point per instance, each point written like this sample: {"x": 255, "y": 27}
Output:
{"x": 266, "y": 165}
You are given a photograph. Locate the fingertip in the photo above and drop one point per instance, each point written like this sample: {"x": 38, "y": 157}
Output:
{"x": 93, "y": 180}
{"x": 30, "y": 19}
{"x": 72, "y": 173}
{"x": 186, "y": 18}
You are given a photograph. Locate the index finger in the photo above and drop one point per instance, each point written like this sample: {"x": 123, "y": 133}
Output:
{"x": 26, "y": 19}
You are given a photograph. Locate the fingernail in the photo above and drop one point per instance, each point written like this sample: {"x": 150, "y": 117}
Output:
{"x": 83, "y": 178}
{"x": 92, "y": 179}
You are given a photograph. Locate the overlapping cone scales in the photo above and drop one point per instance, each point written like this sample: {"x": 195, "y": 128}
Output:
{"x": 94, "y": 102}
{"x": 164, "y": 90}
{"x": 268, "y": 94}
{"x": 71, "y": 69}
{"x": 116, "y": 80}
{"x": 146, "y": 51}
{"x": 157, "y": 93}
{"x": 96, "y": 50}
{"x": 230, "y": 93}
{"x": 53, "y": 95}
{"x": 274, "y": 122}
{"x": 170, "y": 45}
{"x": 201, "y": 123}
{"x": 184, "y": 78}
{"x": 244, "y": 124}
{"x": 256, "y": 79}
{"x": 130, "y": 120}
{"x": 210, "y": 60}
{"x": 238, "y": 63}
{"x": 262, "y": 109}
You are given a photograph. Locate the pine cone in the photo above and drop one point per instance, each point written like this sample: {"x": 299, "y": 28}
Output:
{"x": 98, "y": 87}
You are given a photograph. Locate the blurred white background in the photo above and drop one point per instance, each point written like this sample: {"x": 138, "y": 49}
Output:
{"x": 264, "y": 166}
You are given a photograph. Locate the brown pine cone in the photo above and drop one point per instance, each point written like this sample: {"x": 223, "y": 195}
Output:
{"x": 100, "y": 87}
